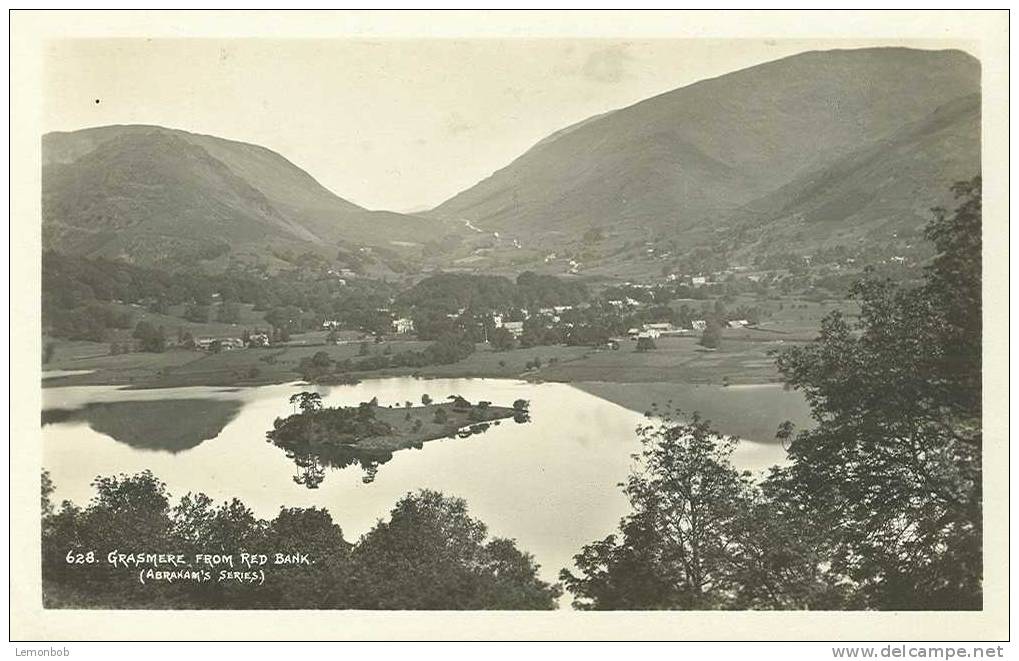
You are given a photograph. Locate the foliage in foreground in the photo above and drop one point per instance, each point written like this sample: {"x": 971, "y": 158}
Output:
{"x": 701, "y": 536}
{"x": 430, "y": 555}
{"x": 880, "y": 505}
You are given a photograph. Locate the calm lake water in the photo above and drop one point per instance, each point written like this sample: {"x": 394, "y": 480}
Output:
{"x": 551, "y": 484}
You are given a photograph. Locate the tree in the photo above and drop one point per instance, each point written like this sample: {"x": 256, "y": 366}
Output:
{"x": 149, "y": 337}
{"x": 307, "y": 401}
{"x": 501, "y": 339}
{"x": 892, "y": 466}
{"x": 701, "y": 535}
{"x": 446, "y": 562}
{"x": 645, "y": 344}
{"x": 429, "y": 554}
{"x": 426, "y": 399}
{"x": 672, "y": 549}
{"x": 441, "y": 416}
{"x": 711, "y": 337}
{"x": 315, "y": 366}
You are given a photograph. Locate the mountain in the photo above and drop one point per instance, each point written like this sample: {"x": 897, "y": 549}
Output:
{"x": 683, "y": 163}
{"x": 876, "y": 193}
{"x": 148, "y": 193}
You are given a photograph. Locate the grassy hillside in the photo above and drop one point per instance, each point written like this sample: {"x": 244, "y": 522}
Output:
{"x": 878, "y": 193}
{"x": 676, "y": 164}
{"x": 148, "y": 193}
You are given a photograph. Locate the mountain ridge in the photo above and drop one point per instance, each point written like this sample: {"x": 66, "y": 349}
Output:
{"x": 759, "y": 128}
{"x": 107, "y": 190}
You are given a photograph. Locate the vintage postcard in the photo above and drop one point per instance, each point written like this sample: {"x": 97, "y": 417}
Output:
{"x": 494, "y": 325}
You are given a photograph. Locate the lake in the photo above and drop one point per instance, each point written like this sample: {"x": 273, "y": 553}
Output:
{"x": 551, "y": 483}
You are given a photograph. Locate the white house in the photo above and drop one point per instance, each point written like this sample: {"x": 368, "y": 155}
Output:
{"x": 698, "y": 324}
{"x": 698, "y": 281}
{"x": 738, "y": 323}
{"x": 258, "y": 340}
{"x": 514, "y": 327}
{"x": 403, "y": 325}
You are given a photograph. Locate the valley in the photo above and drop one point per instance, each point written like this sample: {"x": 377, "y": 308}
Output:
{"x": 736, "y": 323}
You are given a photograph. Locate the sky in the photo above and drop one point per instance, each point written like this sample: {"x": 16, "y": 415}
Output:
{"x": 398, "y": 124}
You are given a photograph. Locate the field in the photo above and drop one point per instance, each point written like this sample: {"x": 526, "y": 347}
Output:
{"x": 675, "y": 359}
{"x": 678, "y": 368}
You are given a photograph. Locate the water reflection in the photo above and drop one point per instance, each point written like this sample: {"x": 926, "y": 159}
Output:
{"x": 170, "y": 425}
{"x": 550, "y": 484}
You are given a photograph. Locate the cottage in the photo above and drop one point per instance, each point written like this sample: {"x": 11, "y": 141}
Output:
{"x": 698, "y": 324}
{"x": 514, "y": 327}
{"x": 698, "y": 281}
{"x": 258, "y": 340}
{"x": 403, "y": 325}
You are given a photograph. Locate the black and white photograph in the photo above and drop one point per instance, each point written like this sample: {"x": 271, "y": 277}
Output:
{"x": 649, "y": 323}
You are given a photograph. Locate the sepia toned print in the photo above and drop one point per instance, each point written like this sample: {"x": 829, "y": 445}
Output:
{"x": 640, "y": 324}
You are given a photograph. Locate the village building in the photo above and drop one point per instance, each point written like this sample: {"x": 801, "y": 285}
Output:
{"x": 258, "y": 340}
{"x": 514, "y": 327}
{"x": 403, "y": 325}
{"x": 698, "y": 324}
{"x": 224, "y": 343}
